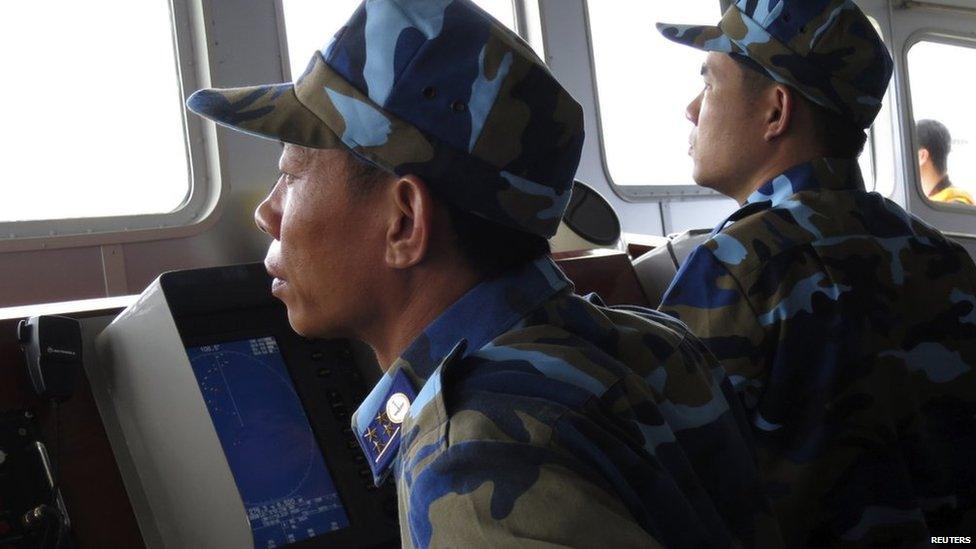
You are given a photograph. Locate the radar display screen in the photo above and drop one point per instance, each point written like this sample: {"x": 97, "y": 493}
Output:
{"x": 283, "y": 480}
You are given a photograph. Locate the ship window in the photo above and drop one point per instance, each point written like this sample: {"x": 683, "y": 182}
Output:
{"x": 945, "y": 119}
{"x": 644, "y": 83}
{"x": 93, "y": 112}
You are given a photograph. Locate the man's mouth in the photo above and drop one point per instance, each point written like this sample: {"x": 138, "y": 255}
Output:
{"x": 276, "y": 285}
{"x": 278, "y": 281}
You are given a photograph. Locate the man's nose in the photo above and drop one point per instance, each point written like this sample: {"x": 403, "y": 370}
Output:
{"x": 693, "y": 109}
{"x": 268, "y": 218}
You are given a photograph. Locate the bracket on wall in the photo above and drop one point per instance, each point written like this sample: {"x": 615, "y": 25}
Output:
{"x": 113, "y": 270}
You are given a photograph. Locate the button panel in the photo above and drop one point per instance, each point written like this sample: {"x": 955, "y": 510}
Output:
{"x": 334, "y": 389}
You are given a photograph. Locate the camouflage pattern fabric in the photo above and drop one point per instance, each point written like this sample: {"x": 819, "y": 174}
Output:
{"x": 433, "y": 88}
{"x": 544, "y": 418}
{"x": 828, "y": 50}
{"x": 848, "y": 327}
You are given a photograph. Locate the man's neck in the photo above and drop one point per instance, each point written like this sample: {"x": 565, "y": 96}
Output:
{"x": 419, "y": 301}
{"x": 930, "y": 179}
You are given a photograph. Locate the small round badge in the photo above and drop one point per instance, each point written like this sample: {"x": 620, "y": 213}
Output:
{"x": 397, "y": 407}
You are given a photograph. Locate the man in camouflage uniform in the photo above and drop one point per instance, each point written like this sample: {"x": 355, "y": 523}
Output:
{"x": 511, "y": 411}
{"x": 847, "y": 326}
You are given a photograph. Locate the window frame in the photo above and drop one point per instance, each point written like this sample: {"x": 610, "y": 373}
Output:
{"x": 875, "y": 138}
{"x": 202, "y": 204}
{"x": 909, "y": 137}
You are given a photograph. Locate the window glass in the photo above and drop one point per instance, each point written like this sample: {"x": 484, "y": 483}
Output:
{"x": 645, "y": 82}
{"x": 867, "y": 163}
{"x": 533, "y": 27}
{"x": 310, "y": 24}
{"x": 942, "y": 85}
{"x": 94, "y": 114}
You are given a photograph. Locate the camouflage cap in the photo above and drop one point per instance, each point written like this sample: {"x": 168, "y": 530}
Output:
{"x": 827, "y": 50}
{"x": 434, "y": 88}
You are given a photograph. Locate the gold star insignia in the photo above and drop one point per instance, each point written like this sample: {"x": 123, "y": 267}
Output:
{"x": 381, "y": 417}
{"x": 379, "y": 448}
{"x": 388, "y": 429}
{"x": 370, "y": 434}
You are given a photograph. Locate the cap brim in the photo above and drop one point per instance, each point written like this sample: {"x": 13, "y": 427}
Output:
{"x": 702, "y": 37}
{"x": 270, "y": 111}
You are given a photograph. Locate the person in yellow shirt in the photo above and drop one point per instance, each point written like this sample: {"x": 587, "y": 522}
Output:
{"x": 934, "y": 145}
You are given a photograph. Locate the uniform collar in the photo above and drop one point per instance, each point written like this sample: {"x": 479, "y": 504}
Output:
{"x": 481, "y": 315}
{"x": 835, "y": 174}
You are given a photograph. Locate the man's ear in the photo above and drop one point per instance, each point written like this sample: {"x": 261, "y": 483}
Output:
{"x": 924, "y": 157}
{"x": 780, "y": 108}
{"x": 409, "y": 223}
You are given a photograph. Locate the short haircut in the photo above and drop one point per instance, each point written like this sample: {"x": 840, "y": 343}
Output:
{"x": 935, "y": 138}
{"x": 364, "y": 177}
{"x": 489, "y": 248}
{"x": 839, "y": 136}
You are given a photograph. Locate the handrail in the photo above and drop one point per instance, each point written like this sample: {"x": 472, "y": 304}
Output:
{"x": 965, "y": 236}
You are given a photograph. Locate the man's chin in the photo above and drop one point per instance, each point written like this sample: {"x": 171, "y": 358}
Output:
{"x": 706, "y": 181}
{"x": 314, "y": 328}
{"x": 302, "y": 325}
{"x": 702, "y": 179}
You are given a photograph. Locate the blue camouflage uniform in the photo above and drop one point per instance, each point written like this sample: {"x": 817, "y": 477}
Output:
{"x": 847, "y": 326}
{"x": 543, "y": 417}
{"x": 849, "y": 329}
{"x": 524, "y": 414}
